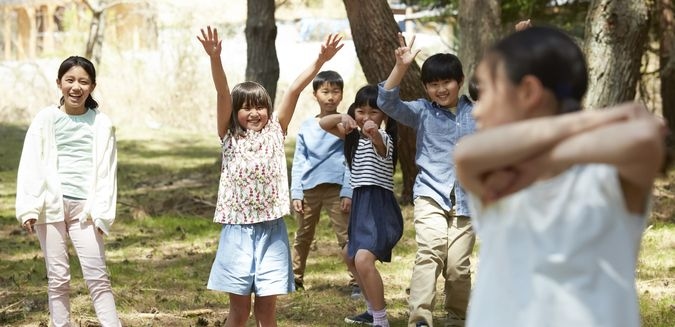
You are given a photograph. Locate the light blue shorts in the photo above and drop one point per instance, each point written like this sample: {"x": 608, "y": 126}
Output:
{"x": 253, "y": 258}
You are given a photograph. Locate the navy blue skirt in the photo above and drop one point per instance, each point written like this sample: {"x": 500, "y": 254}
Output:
{"x": 375, "y": 222}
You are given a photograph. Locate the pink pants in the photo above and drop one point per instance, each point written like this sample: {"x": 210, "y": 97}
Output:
{"x": 88, "y": 244}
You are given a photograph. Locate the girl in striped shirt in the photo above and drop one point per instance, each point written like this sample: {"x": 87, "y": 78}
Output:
{"x": 375, "y": 224}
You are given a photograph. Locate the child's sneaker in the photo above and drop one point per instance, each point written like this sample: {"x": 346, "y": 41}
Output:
{"x": 299, "y": 286}
{"x": 362, "y": 319}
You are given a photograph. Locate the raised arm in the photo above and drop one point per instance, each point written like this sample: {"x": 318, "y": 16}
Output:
{"x": 287, "y": 107}
{"x": 635, "y": 146}
{"x": 371, "y": 130}
{"x": 404, "y": 57}
{"x": 338, "y": 124}
{"x": 213, "y": 47}
{"x": 627, "y": 137}
{"x": 478, "y": 155}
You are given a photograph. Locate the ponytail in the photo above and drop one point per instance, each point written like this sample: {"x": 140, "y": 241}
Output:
{"x": 351, "y": 139}
{"x": 392, "y": 130}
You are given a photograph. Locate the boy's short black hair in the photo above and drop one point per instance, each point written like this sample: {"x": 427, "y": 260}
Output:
{"x": 442, "y": 66}
{"x": 327, "y": 76}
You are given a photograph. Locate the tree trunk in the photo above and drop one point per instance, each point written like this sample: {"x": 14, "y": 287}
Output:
{"x": 374, "y": 32}
{"x": 262, "y": 64}
{"x": 96, "y": 34}
{"x": 615, "y": 35}
{"x": 666, "y": 29}
{"x": 478, "y": 29}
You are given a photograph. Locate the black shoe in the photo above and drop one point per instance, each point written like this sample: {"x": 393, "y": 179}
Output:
{"x": 299, "y": 286}
{"x": 362, "y": 319}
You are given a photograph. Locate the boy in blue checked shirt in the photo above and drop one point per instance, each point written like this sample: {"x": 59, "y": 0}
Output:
{"x": 444, "y": 235}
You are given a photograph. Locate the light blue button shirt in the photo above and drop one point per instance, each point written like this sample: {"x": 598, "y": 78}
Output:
{"x": 438, "y": 130}
{"x": 318, "y": 159}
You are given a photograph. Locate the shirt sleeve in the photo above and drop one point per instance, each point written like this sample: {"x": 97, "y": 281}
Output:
{"x": 103, "y": 210}
{"x": 390, "y": 102}
{"x": 389, "y": 146}
{"x": 299, "y": 161}
{"x": 31, "y": 184}
{"x": 346, "y": 190}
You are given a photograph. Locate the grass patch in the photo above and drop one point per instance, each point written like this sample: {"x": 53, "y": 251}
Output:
{"x": 163, "y": 243}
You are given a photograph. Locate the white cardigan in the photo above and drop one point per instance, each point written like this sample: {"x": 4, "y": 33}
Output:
{"x": 38, "y": 188}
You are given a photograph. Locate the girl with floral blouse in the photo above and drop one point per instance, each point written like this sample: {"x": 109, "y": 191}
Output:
{"x": 253, "y": 253}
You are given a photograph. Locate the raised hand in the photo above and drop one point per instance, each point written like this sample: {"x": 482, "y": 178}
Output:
{"x": 523, "y": 24}
{"x": 404, "y": 53}
{"x": 347, "y": 124}
{"x": 503, "y": 182}
{"x": 330, "y": 47}
{"x": 370, "y": 129}
{"x": 497, "y": 182}
{"x": 209, "y": 40}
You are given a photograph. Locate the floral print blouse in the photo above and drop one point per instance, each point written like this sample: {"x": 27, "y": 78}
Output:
{"x": 253, "y": 180}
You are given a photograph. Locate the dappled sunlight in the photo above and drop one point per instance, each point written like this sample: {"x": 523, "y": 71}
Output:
{"x": 23, "y": 255}
{"x": 163, "y": 243}
{"x": 656, "y": 263}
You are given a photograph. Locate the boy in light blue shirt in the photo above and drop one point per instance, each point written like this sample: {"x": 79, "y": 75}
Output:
{"x": 319, "y": 178}
{"x": 444, "y": 235}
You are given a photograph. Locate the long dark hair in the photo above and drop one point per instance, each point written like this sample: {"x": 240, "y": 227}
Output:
{"x": 548, "y": 54}
{"x": 367, "y": 95}
{"x": 88, "y": 67}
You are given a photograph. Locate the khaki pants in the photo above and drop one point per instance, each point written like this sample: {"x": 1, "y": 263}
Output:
{"x": 323, "y": 195}
{"x": 444, "y": 245}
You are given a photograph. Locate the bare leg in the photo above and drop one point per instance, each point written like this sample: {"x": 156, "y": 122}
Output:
{"x": 264, "y": 309}
{"x": 370, "y": 279}
{"x": 352, "y": 269}
{"x": 240, "y": 308}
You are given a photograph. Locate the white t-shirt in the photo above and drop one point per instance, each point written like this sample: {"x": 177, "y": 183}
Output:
{"x": 561, "y": 252}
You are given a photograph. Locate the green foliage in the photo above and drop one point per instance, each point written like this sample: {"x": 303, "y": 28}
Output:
{"x": 569, "y": 15}
{"x": 522, "y": 9}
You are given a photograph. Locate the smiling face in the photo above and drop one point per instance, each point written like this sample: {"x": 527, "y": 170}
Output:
{"x": 365, "y": 113}
{"x": 252, "y": 107}
{"x": 444, "y": 92}
{"x": 76, "y": 86}
{"x": 252, "y": 117}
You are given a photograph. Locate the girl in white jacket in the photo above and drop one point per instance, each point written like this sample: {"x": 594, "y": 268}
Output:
{"x": 67, "y": 188}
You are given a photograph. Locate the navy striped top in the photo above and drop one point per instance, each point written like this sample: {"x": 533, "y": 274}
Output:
{"x": 369, "y": 168}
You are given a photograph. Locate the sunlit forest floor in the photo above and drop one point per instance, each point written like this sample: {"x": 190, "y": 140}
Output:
{"x": 163, "y": 243}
